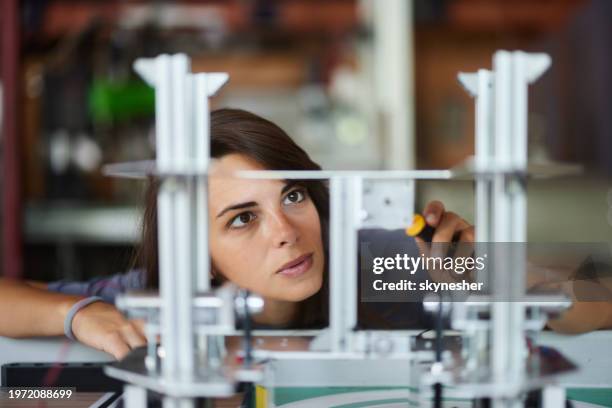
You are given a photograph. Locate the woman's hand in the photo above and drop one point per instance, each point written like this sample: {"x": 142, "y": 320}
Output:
{"x": 448, "y": 228}
{"x": 583, "y": 317}
{"x": 102, "y": 326}
{"x": 447, "y": 224}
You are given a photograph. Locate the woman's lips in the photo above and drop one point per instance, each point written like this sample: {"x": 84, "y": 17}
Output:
{"x": 297, "y": 267}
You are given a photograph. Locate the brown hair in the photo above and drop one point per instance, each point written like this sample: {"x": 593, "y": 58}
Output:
{"x": 238, "y": 131}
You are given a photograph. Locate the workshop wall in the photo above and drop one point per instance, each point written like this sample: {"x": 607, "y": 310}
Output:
{"x": 305, "y": 64}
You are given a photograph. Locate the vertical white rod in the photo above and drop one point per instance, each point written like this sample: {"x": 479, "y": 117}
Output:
{"x": 502, "y": 64}
{"x": 201, "y": 161}
{"x": 393, "y": 43}
{"x": 163, "y": 113}
{"x": 501, "y": 145}
{"x": 336, "y": 272}
{"x": 352, "y": 206}
{"x": 134, "y": 396}
{"x": 183, "y": 146}
{"x": 163, "y": 117}
{"x": 519, "y": 140}
{"x": 484, "y": 151}
{"x": 345, "y": 193}
{"x": 183, "y": 237}
{"x": 553, "y": 396}
{"x": 502, "y": 213}
{"x": 180, "y": 125}
{"x": 519, "y": 206}
{"x": 199, "y": 207}
{"x": 165, "y": 203}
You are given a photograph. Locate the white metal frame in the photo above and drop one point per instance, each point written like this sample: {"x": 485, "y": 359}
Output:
{"x": 182, "y": 136}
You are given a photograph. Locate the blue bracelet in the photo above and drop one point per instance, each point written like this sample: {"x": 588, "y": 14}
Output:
{"x": 74, "y": 310}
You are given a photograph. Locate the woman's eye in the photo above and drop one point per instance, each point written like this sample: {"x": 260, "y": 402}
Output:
{"x": 241, "y": 220}
{"x": 294, "y": 197}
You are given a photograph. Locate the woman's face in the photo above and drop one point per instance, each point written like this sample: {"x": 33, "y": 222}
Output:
{"x": 265, "y": 235}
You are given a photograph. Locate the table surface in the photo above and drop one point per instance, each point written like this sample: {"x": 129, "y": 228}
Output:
{"x": 77, "y": 400}
{"x": 590, "y": 351}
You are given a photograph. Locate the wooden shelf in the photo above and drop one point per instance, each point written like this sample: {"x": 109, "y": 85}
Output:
{"x": 511, "y": 15}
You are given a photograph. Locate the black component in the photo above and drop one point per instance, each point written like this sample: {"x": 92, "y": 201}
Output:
{"x": 437, "y": 387}
{"x": 450, "y": 342}
{"x": 427, "y": 233}
{"x": 248, "y": 401}
{"x": 85, "y": 377}
{"x": 532, "y": 400}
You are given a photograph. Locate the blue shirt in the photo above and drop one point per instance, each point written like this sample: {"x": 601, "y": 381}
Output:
{"x": 106, "y": 287}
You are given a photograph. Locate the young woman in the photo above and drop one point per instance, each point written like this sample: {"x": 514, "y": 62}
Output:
{"x": 268, "y": 236}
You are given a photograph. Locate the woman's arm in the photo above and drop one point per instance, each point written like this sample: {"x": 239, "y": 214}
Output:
{"x": 583, "y": 317}
{"x": 27, "y": 311}
{"x": 38, "y": 285}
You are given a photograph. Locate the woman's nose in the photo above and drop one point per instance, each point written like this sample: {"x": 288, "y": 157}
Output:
{"x": 284, "y": 233}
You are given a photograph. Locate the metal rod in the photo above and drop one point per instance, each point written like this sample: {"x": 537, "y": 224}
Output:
{"x": 336, "y": 300}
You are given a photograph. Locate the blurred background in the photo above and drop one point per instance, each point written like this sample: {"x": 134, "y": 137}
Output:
{"x": 360, "y": 84}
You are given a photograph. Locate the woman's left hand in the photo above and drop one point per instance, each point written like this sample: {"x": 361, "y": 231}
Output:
{"x": 448, "y": 228}
{"x": 579, "y": 318}
{"x": 447, "y": 224}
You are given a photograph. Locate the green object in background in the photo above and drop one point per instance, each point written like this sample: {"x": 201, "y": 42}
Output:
{"x": 118, "y": 101}
{"x": 288, "y": 396}
{"x": 597, "y": 396}
{"x": 353, "y": 397}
